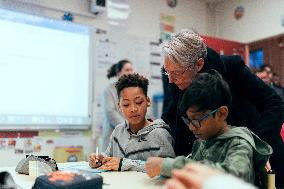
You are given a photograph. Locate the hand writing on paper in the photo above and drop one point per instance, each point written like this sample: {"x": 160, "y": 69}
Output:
{"x": 110, "y": 163}
{"x": 153, "y": 166}
{"x": 95, "y": 160}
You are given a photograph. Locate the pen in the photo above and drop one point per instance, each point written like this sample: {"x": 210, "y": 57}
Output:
{"x": 97, "y": 152}
{"x": 189, "y": 155}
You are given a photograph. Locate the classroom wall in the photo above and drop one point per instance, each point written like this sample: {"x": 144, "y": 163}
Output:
{"x": 261, "y": 19}
{"x": 143, "y": 18}
{"x": 146, "y": 13}
{"x": 143, "y": 22}
{"x": 225, "y": 47}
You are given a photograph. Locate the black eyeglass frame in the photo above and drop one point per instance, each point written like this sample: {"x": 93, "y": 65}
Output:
{"x": 197, "y": 122}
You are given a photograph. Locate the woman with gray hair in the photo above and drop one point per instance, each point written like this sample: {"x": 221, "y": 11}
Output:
{"x": 254, "y": 104}
{"x": 185, "y": 51}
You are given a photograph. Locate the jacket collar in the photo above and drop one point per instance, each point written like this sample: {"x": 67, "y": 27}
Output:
{"x": 213, "y": 61}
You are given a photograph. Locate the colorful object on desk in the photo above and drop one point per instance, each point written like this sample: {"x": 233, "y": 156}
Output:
{"x": 28, "y": 145}
{"x": 11, "y": 142}
{"x": 2, "y": 143}
{"x": 68, "y": 154}
{"x": 68, "y": 179}
{"x": 37, "y": 147}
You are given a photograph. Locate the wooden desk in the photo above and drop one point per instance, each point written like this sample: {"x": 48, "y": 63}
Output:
{"x": 123, "y": 180}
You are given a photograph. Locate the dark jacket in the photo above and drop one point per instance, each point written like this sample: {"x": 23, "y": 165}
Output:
{"x": 278, "y": 89}
{"x": 254, "y": 104}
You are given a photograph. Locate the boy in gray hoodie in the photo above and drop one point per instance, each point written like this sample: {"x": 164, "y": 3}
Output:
{"x": 234, "y": 150}
{"x": 133, "y": 141}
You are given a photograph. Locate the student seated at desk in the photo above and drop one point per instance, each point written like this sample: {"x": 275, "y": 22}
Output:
{"x": 132, "y": 142}
{"x": 234, "y": 150}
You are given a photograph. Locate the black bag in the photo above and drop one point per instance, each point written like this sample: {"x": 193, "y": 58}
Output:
{"x": 70, "y": 180}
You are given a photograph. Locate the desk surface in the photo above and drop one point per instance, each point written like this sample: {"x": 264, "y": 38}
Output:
{"x": 128, "y": 179}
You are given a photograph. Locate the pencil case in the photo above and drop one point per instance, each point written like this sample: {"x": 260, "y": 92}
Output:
{"x": 69, "y": 179}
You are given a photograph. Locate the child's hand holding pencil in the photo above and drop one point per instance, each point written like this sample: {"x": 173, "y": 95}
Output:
{"x": 96, "y": 159}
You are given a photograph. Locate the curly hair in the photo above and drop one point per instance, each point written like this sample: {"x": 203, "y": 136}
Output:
{"x": 185, "y": 47}
{"x": 132, "y": 80}
{"x": 208, "y": 91}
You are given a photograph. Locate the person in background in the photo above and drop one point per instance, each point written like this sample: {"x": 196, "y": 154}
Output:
{"x": 136, "y": 139}
{"x": 199, "y": 176}
{"x": 112, "y": 115}
{"x": 265, "y": 74}
{"x": 254, "y": 104}
{"x": 268, "y": 77}
{"x": 234, "y": 150}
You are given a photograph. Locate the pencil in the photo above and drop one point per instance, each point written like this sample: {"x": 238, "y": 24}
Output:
{"x": 97, "y": 153}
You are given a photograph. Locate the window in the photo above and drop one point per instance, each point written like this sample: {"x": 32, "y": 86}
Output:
{"x": 45, "y": 72}
{"x": 256, "y": 58}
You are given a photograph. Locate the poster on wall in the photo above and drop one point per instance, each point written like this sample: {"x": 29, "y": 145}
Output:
{"x": 156, "y": 62}
{"x": 109, "y": 49}
{"x": 105, "y": 57}
{"x": 167, "y": 26}
{"x": 105, "y": 53}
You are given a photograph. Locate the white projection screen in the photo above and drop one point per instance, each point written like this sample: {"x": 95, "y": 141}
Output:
{"x": 45, "y": 73}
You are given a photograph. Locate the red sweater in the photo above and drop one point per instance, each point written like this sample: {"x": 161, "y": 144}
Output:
{"x": 282, "y": 132}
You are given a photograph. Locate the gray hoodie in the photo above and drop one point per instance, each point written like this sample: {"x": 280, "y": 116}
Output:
{"x": 153, "y": 140}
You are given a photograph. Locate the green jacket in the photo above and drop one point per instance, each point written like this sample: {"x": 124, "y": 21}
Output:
{"x": 239, "y": 152}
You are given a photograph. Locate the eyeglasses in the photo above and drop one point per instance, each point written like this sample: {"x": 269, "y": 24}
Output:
{"x": 174, "y": 73}
{"x": 197, "y": 122}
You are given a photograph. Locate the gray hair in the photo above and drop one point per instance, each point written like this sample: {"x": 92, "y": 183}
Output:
{"x": 185, "y": 47}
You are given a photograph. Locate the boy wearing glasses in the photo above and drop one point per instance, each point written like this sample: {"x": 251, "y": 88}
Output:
{"x": 234, "y": 150}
